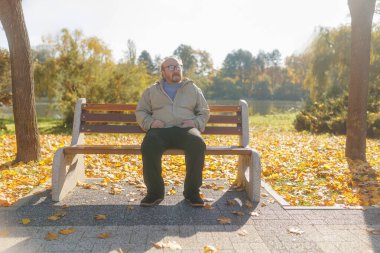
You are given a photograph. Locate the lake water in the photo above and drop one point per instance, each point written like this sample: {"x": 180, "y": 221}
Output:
{"x": 262, "y": 107}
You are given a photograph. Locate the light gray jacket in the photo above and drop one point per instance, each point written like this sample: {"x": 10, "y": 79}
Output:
{"x": 189, "y": 104}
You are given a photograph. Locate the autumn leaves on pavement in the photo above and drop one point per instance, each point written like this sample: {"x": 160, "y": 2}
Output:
{"x": 304, "y": 169}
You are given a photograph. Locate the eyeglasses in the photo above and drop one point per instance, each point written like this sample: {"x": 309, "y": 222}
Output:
{"x": 174, "y": 67}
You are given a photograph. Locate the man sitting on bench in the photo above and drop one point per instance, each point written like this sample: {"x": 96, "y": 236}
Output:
{"x": 173, "y": 112}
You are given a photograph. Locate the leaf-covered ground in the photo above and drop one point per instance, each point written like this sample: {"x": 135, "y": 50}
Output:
{"x": 303, "y": 168}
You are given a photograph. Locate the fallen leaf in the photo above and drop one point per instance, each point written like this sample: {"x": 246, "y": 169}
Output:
{"x": 87, "y": 186}
{"x": 115, "y": 190}
{"x": 208, "y": 206}
{"x": 51, "y": 236}
{"x": 231, "y": 202}
{"x": 57, "y": 215}
{"x": 172, "y": 191}
{"x": 238, "y": 213}
{"x": 254, "y": 214}
{"x": 271, "y": 201}
{"x": 210, "y": 249}
{"x": 174, "y": 245}
{"x": 373, "y": 231}
{"x": 264, "y": 194}
{"x": 296, "y": 231}
{"x": 224, "y": 220}
{"x": 100, "y": 217}
{"x": 170, "y": 244}
{"x": 263, "y": 204}
{"x": 67, "y": 231}
{"x": 243, "y": 232}
{"x": 25, "y": 221}
{"x": 104, "y": 235}
{"x": 4, "y": 233}
{"x": 248, "y": 204}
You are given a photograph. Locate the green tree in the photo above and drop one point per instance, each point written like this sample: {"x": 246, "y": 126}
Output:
{"x": 328, "y": 58}
{"x": 81, "y": 67}
{"x": 5, "y": 78}
{"x": 197, "y": 65}
{"x": 146, "y": 60}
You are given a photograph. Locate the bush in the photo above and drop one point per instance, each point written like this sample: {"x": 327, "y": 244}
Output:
{"x": 329, "y": 116}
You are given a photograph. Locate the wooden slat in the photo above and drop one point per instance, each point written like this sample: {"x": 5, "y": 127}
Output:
{"x": 110, "y": 129}
{"x": 223, "y": 130}
{"x": 225, "y": 108}
{"x": 135, "y": 150}
{"x": 131, "y": 118}
{"x": 109, "y": 107}
{"x": 108, "y": 117}
{"x": 136, "y": 129}
{"x": 132, "y": 107}
{"x": 225, "y": 119}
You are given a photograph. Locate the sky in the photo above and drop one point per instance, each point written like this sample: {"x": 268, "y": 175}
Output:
{"x": 160, "y": 26}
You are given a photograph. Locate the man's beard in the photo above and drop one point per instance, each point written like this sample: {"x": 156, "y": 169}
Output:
{"x": 176, "y": 77}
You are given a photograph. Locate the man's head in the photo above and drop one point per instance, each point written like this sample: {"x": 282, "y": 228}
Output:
{"x": 171, "y": 69}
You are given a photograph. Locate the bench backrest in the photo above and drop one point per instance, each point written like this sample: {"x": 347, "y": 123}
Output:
{"x": 120, "y": 118}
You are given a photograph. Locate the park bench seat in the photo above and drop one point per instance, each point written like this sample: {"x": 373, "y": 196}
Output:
{"x": 89, "y": 118}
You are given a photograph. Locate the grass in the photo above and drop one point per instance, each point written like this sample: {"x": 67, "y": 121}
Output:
{"x": 282, "y": 122}
{"x": 45, "y": 126}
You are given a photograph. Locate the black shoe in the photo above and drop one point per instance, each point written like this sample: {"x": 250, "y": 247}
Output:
{"x": 150, "y": 200}
{"x": 195, "y": 201}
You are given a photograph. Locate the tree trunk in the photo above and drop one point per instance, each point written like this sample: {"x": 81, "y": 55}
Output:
{"x": 24, "y": 111}
{"x": 361, "y": 24}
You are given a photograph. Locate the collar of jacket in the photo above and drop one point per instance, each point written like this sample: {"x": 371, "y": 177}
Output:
{"x": 183, "y": 82}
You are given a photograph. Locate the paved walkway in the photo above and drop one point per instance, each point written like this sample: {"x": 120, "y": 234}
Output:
{"x": 132, "y": 228}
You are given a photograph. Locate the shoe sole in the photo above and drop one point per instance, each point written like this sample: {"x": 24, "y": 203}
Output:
{"x": 158, "y": 201}
{"x": 195, "y": 205}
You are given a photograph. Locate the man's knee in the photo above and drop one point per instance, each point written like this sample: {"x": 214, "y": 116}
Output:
{"x": 151, "y": 143}
{"x": 196, "y": 142}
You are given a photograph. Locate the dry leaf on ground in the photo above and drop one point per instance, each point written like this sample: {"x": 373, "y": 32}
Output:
{"x": 373, "y": 231}
{"x": 25, "y": 221}
{"x": 208, "y": 206}
{"x": 104, "y": 235}
{"x": 51, "y": 236}
{"x": 254, "y": 214}
{"x": 243, "y": 232}
{"x": 296, "y": 231}
{"x": 248, "y": 204}
{"x": 210, "y": 249}
{"x": 238, "y": 213}
{"x": 224, "y": 220}
{"x": 4, "y": 233}
{"x": 100, "y": 217}
{"x": 173, "y": 245}
{"x": 231, "y": 202}
{"x": 67, "y": 231}
{"x": 57, "y": 215}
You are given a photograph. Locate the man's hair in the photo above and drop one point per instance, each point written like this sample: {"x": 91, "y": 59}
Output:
{"x": 174, "y": 57}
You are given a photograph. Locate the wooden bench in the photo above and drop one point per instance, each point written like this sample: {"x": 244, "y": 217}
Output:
{"x": 68, "y": 162}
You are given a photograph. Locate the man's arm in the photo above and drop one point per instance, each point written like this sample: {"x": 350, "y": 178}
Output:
{"x": 144, "y": 111}
{"x": 202, "y": 111}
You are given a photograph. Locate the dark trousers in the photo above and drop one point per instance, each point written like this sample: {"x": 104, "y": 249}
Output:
{"x": 156, "y": 141}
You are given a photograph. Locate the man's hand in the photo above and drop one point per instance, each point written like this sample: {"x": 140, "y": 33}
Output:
{"x": 157, "y": 124}
{"x": 188, "y": 123}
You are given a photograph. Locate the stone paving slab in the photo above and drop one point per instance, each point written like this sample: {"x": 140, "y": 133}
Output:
{"x": 132, "y": 228}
